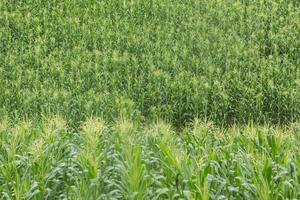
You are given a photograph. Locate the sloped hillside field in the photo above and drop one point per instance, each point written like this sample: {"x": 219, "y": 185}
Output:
{"x": 149, "y": 99}
{"x": 228, "y": 61}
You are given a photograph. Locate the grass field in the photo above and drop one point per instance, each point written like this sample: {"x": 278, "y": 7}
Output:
{"x": 149, "y": 99}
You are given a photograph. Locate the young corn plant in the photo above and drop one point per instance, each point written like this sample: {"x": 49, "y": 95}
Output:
{"x": 89, "y": 159}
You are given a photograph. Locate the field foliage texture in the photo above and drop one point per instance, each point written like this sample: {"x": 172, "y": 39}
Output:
{"x": 149, "y": 99}
{"x": 228, "y": 61}
{"x": 124, "y": 161}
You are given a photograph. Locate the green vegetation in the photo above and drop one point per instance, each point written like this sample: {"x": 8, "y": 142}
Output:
{"x": 227, "y": 61}
{"x": 123, "y": 161}
{"x": 98, "y": 99}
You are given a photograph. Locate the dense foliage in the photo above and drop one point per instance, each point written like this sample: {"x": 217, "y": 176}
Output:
{"x": 82, "y": 83}
{"x": 126, "y": 162}
{"x": 228, "y": 61}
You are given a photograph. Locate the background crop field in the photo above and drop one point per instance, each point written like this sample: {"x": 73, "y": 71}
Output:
{"x": 228, "y": 61}
{"x": 149, "y": 99}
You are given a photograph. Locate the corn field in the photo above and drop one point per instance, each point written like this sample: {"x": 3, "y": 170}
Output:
{"x": 230, "y": 62}
{"x": 149, "y": 99}
{"x": 124, "y": 161}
